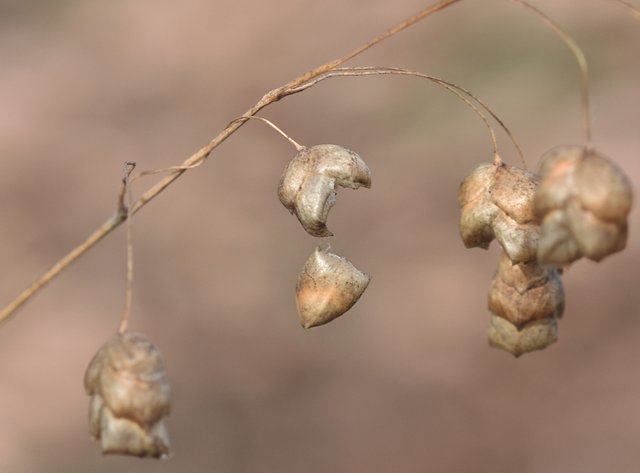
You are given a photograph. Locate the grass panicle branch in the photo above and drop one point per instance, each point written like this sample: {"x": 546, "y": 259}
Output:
{"x": 202, "y": 154}
{"x": 461, "y": 92}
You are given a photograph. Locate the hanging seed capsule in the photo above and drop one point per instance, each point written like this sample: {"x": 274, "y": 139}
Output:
{"x": 327, "y": 287}
{"x": 478, "y": 211}
{"x": 522, "y": 292}
{"x": 535, "y": 335}
{"x": 583, "y": 203}
{"x": 309, "y": 183}
{"x": 497, "y": 202}
{"x": 129, "y": 394}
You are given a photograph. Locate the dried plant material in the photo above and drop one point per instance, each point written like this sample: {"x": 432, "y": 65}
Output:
{"x": 308, "y": 185}
{"x": 327, "y": 287}
{"x": 497, "y": 202}
{"x": 583, "y": 203}
{"x": 129, "y": 397}
{"x": 535, "y": 335}
{"x": 522, "y": 292}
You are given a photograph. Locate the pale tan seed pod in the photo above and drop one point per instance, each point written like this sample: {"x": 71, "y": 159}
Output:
{"x": 309, "y": 183}
{"x": 327, "y": 287}
{"x": 129, "y": 392}
{"x": 477, "y": 210}
{"x": 535, "y": 335}
{"x": 497, "y": 202}
{"x": 582, "y": 203}
{"x": 522, "y": 292}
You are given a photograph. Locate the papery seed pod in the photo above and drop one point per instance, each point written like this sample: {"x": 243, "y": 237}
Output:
{"x": 535, "y": 335}
{"x": 525, "y": 291}
{"x": 129, "y": 397}
{"x": 327, "y": 287}
{"x": 582, "y": 203}
{"x": 557, "y": 246}
{"x": 309, "y": 183}
{"x": 478, "y": 211}
{"x": 497, "y": 202}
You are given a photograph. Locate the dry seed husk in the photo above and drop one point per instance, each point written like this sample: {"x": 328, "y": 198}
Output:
{"x": 557, "y": 245}
{"x": 596, "y": 238}
{"x": 526, "y": 291}
{"x": 309, "y": 183}
{"x": 519, "y": 241}
{"x": 130, "y": 395}
{"x": 497, "y": 202}
{"x": 535, "y": 335}
{"x": 327, "y": 287}
{"x": 583, "y": 203}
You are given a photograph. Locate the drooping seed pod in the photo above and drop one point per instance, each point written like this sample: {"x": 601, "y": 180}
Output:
{"x": 129, "y": 392}
{"x": 582, "y": 203}
{"x": 309, "y": 183}
{"x": 522, "y": 292}
{"x": 327, "y": 287}
{"x": 497, "y": 202}
{"x": 535, "y": 335}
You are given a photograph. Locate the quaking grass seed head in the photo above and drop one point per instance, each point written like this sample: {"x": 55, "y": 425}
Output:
{"x": 496, "y": 201}
{"x": 327, "y": 287}
{"x": 130, "y": 394}
{"x": 308, "y": 186}
{"x": 582, "y": 203}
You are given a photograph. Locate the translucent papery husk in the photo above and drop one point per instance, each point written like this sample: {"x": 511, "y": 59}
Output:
{"x": 327, "y": 287}
{"x": 526, "y": 291}
{"x": 130, "y": 397}
{"x": 496, "y": 201}
{"x": 309, "y": 183}
{"x": 583, "y": 203}
{"x": 535, "y": 335}
{"x": 557, "y": 246}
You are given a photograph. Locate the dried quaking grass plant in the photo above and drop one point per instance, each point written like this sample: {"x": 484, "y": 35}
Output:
{"x": 575, "y": 206}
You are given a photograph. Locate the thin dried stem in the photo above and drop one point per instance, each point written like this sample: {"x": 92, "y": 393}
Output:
{"x": 364, "y": 71}
{"x": 272, "y": 125}
{"x": 200, "y": 156}
{"x": 129, "y": 166}
{"x": 635, "y": 11}
{"x": 173, "y": 169}
{"x": 580, "y": 59}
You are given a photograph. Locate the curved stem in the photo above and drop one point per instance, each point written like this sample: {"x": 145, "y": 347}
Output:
{"x": 454, "y": 88}
{"x": 635, "y": 11}
{"x": 580, "y": 59}
{"x": 272, "y": 125}
{"x": 201, "y": 155}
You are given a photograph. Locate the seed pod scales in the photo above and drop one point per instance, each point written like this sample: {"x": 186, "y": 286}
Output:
{"x": 327, "y": 287}
{"x": 583, "y": 203}
{"x": 496, "y": 201}
{"x": 308, "y": 186}
{"x": 535, "y": 335}
{"x": 522, "y": 292}
{"x": 129, "y": 394}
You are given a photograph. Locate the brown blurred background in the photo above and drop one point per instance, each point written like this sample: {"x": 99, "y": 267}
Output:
{"x": 405, "y": 382}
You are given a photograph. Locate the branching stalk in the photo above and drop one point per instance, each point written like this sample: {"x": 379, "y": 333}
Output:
{"x": 461, "y": 92}
{"x": 201, "y": 155}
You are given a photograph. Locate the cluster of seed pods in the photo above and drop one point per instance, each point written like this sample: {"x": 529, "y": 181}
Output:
{"x": 129, "y": 397}
{"x": 328, "y": 285}
{"x": 577, "y": 206}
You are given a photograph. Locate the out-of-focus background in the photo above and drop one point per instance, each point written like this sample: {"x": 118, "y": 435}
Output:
{"x": 405, "y": 381}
